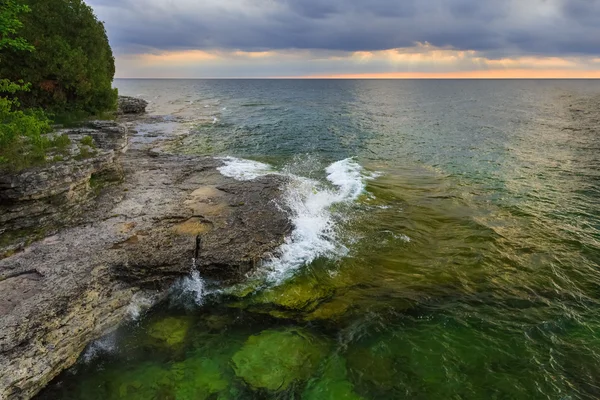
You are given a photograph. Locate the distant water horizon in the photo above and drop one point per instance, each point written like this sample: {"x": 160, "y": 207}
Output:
{"x": 368, "y": 79}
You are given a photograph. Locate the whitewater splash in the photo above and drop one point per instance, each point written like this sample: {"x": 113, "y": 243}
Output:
{"x": 104, "y": 345}
{"x": 191, "y": 287}
{"x": 310, "y": 203}
{"x": 244, "y": 170}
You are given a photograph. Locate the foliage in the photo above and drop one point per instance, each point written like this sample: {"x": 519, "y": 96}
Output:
{"x": 88, "y": 141}
{"x": 73, "y": 65}
{"x": 10, "y": 11}
{"x": 22, "y": 133}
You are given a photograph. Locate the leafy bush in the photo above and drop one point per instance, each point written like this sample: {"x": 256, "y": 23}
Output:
{"x": 88, "y": 141}
{"x": 23, "y": 139}
{"x": 73, "y": 66}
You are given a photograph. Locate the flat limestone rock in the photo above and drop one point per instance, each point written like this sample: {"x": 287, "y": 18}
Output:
{"x": 62, "y": 292}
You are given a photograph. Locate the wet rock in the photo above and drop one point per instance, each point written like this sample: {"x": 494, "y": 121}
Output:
{"x": 316, "y": 295}
{"x": 131, "y": 105}
{"x": 274, "y": 360}
{"x": 332, "y": 384}
{"x": 198, "y": 378}
{"x": 170, "y": 331}
{"x": 144, "y": 381}
{"x": 331, "y": 310}
{"x": 61, "y": 293}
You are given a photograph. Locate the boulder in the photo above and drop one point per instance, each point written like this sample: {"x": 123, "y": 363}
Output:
{"x": 276, "y": 359}
{"x": 131, "y": 105}
{"x": 170, "y": 331}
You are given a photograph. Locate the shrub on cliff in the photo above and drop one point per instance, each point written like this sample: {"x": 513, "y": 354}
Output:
{"x": 73, "y": 66}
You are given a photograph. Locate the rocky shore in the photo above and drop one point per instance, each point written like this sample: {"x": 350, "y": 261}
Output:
{"x": 81, "y": 238}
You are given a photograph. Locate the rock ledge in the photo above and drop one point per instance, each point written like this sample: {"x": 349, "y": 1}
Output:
{"x": 61, "y": 293}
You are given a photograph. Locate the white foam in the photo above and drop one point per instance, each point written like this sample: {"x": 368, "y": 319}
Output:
{"x": 104, "y": 345}
{"x": 192, "y": 286}
{"x": 347, "y": 176}
{"x": 140, "y": 303}
{"x": 314, "y": 233}
{"x": 309, "y": 202}
{"x": 243, "y": 170}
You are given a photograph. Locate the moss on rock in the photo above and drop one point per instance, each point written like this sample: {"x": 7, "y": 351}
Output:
{"x": 170, "y": 331}
{"x": 333, "y": 384}
{"x": 197, "y": 378}
{"x": 275, "y": 359}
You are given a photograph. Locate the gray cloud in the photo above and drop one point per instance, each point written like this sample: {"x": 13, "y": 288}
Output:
{"x": 497, "y": 27}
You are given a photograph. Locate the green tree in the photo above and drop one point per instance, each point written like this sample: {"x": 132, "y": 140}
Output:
{"x": 23, "y": 139}
{"x": 10, "y": 11}
{"x": 73, "y": 66}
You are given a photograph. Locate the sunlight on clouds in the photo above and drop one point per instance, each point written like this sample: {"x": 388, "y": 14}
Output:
{"x": 188, "y": 56}
{"x": 419, "y": 61}
{"x": 426, "y": 54}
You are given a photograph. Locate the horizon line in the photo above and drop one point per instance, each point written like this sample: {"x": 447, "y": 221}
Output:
{"x": 374, "y": 78}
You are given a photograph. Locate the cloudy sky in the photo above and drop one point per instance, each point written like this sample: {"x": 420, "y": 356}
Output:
{"x": 353, "y": 38}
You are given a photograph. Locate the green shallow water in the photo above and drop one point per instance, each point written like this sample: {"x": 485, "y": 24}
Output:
{"x": 471, "y": 263}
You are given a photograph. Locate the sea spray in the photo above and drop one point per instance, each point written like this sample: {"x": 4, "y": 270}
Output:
{"x": 314, "y": 234}
{"x": 243, "y": 170}
{"x": 190, "y": 289}
{"x": 140, "y": 303}
{"x": 309, "y": 202}
{"x": 105, "y": 345}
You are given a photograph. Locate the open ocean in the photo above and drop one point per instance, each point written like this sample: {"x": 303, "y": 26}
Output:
{"x": 446, "y": 245}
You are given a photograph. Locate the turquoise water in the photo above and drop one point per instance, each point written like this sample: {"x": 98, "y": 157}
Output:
{"x": 446, "y": 246}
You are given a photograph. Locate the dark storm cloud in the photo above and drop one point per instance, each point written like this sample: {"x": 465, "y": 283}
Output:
{"x": 500, "y": 27}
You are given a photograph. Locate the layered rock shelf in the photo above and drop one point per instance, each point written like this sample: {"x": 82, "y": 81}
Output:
{"x": 117, "y": 224}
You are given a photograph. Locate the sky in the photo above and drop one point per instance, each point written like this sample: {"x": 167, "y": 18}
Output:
{"x": 353, "y": 38}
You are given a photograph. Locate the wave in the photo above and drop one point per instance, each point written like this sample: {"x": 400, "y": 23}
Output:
{"x": 310, "y": 203}
{"x": 243, "y": 170}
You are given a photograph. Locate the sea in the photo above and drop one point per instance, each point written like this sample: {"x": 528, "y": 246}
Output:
{"x": 445, "y": 245}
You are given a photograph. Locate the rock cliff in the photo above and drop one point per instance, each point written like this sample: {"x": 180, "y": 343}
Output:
{"x": 60, "y": 293}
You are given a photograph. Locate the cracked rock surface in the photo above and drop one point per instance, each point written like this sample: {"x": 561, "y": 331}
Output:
{"x": 64, "y": 291}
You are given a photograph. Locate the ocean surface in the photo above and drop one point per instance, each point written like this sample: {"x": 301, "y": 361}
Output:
{"x": 446, "y": 245}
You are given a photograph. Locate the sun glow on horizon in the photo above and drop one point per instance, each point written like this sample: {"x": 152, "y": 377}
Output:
{"x": 421, "y": 61}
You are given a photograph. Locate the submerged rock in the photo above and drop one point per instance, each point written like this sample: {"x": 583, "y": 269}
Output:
{"x": 274, "y": 360}
{"x": 171, "y": 331}
{"x": 131, "y": 105}
{"x": 314, "y": 295}
{"x": 374, "y": 365}
{"x": 197, "y": 378}
{"x": 333, "y": 383}
{"x": 148, "y": 381}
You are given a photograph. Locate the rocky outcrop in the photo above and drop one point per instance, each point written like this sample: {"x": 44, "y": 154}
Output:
{"x": 131, "y": 105}
{"x": 42, "y": 199}
{"x": 68, "y": 289}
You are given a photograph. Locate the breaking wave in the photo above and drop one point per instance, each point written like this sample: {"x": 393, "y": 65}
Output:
{"x": 310, "y": 203}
